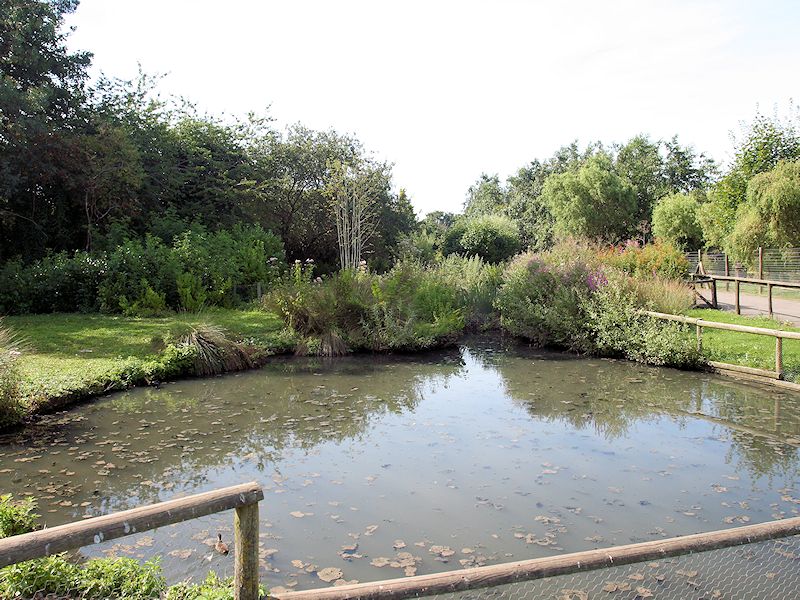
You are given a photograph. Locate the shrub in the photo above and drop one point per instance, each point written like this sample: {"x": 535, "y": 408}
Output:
{"x": 121, "y": 578}
{"x": 544, "y": 302}
{"x": 213, "y": 588}
{"x": 408, "y": 308}
{"x": 659, "y": 259}
{"x": 17, "y": 516}
{"x": 211, "y": 350}
{"x": 492, "y": 237}
{"x": 191, "y": 292}
{"x": 675, "y": 221}
{"x": 619, "y": 328}
{"x": 11, "y": 348}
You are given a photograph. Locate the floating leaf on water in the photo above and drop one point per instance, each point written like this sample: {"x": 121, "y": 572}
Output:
{"x": 379, "y": 562}
{"x": 398, "y": 544}
{"x": 297, "y": 514}
{"x": 340, "y": 582}
{"x": 573, "y": 595}
{"x": 182, "y": 554}
{"x": 329, "y": 574}
{"x": 410, "y": 571}
{"x": 610, "y": 587}
{"x": 686, "y": 573}
{"x": 146, "y": 541}
{"x": 370, "y": 529}
{"x": 644, "y": 592}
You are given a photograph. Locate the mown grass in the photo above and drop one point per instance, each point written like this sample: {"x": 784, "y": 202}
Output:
{"x": 748, "y": 349}
{"x": 77, "y": 354}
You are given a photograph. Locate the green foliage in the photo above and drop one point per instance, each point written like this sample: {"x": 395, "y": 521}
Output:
{"x": 17, "y": 516}
{"x": 213, "y": 352}
{"x": 675, "y": 221}
{"x": 492, "y": 237}
{"x": 660, "y": 259}
{"x": 408, "y": 308}
{"x": 150, "y": 303}
{"x": 213, "y": 588}
{"x": 762, "y": 144}
{"x": 121, "y": 578}
{"x": 591, "y": 201}
{"x": 770, "y": 217}
{"x": 11, "y": 348}
{"x": 191, "y": 292}
{"x": 619, "y": 329}
{"x": 542, "y": 300}
{"x": 146, "y": 277}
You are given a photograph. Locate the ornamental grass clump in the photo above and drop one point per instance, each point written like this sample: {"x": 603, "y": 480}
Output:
{"x": 213, "y": 352}
{"x": 11, "y": 349}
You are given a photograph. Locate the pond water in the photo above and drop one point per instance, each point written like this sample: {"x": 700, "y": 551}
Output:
{"x": 482, "y": 454}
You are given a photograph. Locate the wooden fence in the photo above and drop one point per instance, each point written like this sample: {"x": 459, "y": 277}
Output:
{"x": 779, "y": 336}
{"x": 538, "y": 568}
{"x": 243, "y": 498}
{"x": 769, "y": 283}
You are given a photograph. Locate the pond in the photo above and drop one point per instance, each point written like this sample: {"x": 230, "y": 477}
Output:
{"x": 393, "y": 465}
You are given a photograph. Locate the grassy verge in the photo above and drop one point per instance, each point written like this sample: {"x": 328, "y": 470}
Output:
{"x": 747, "y": 349}
{"x": 70, "y": 357}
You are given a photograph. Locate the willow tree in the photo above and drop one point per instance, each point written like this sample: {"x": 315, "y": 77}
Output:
{"x": 354, "y": 190}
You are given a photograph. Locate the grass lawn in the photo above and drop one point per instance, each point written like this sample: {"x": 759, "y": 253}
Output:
{"x": 71, "y": 354}
{"x": 748, "y": 349}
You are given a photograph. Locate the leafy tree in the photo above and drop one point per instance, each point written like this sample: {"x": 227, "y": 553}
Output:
{"x": 485, "y": 197}
{"x": 675, "y": 220}
{"x": 492, "y": 237}
{"x": 41, "y": 101}
{"x": 771, "y": 214}
{"x": 762, "y": 143}
{"x": 591, "y": 201}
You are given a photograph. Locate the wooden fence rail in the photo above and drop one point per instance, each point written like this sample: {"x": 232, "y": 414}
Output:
{"x": 538, "y": 568}
{"x": 243, "y": 498}
{"x": 770, "y": 283}
{"x": 701, "y": 323}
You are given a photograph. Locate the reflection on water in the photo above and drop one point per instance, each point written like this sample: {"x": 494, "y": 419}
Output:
{"x": 385, "y": 466}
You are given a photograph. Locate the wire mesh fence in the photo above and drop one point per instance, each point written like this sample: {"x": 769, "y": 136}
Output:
{"x": 777, "y": 264}
{"x": 769, "y": 569}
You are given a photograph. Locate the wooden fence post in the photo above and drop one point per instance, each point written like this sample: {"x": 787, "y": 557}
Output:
{"x": 738, "y": 307}
{"x": 779, "y": 357}
{"x": 760, "y": 262}
{"x": 714, "y": 302}
{"x": 699, "y": 331}
{"x": 245, "y": 574}
{"x": 769, "y": 298}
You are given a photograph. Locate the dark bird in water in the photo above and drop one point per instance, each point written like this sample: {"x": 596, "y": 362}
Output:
{"x": 221, "y": 546}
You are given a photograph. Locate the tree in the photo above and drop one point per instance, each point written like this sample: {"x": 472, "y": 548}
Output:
{"x": 771, "y": 214}
{"x": 352, "y": 190}
{"x": 492, "y": 237}
{"x": 675, "y": 220}
{"x": 41, "y": 103}
{"x": 591, "y": 201}
{"x": 485, "y": 197}
{"x": 762, "y": 143}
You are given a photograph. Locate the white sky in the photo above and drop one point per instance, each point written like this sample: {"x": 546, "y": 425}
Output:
{"x": 449, "y": 89}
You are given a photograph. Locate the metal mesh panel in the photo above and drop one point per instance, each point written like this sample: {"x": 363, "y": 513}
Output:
{"x": 768, "y": 569}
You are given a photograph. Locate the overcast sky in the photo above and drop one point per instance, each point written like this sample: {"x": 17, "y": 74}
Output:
{"x": 448, "y": 90}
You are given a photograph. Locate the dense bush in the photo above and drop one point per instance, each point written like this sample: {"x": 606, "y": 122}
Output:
{"x": 619, "y": 329}
{"x": 561, "y": 299}
{"x": 411, "y": 307}
{"x": 494, "y": 238}
{"x": 675, "y": 221}
{"x": 10, "y": 404}
{"x": 543, "y": 301}
{"x": 658, "y": 259}
{"x": 147, "y": 277}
